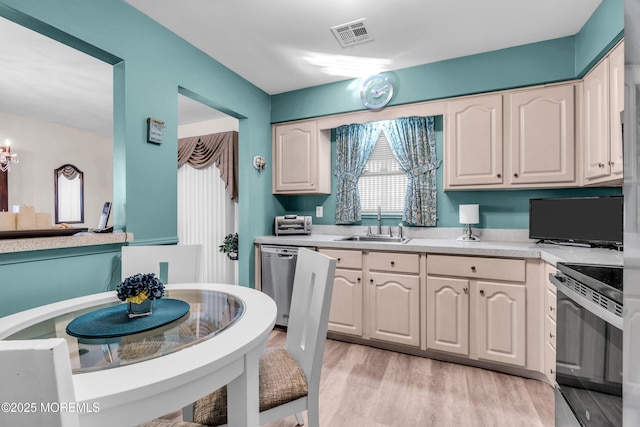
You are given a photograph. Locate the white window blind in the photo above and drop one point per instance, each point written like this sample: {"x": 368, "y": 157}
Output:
{"x": 383, "y": 181}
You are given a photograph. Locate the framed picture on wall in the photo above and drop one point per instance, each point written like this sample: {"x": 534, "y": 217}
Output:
{"x": 155, "y": 130}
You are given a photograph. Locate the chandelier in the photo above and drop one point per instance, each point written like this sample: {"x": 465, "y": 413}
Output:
{"x": 6, "y": 157}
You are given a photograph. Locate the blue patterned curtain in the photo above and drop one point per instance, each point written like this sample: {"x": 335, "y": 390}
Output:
{"x": 412, "y": 140}
{"x": 354, "y": 144}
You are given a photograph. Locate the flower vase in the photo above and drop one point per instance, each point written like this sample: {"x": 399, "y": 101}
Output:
{"x": 139, "y": 310}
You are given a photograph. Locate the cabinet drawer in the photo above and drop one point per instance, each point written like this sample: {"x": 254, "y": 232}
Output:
{"x": 389, "y": 261}
{"x": 550, "y": 331}
{"x": 475, "y": 267}
{"x": 550, "y": 362}
{"x": 344, "y": 259}
{"x": 550, "y": 307}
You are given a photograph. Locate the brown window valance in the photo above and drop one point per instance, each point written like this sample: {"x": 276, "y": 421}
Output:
{"x": 219, "y": 148}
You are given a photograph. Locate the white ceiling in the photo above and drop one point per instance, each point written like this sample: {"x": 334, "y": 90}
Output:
{"x": 283, "y": 45}
{"x": 280, "y": 45}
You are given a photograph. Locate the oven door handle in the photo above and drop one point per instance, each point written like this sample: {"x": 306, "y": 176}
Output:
{"x": 590, "y": 306}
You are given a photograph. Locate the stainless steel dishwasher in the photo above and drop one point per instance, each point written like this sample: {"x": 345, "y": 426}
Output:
{"x": 278, "y": 269}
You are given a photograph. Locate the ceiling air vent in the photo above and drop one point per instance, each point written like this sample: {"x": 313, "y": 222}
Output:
{"x": 351, "y": 33}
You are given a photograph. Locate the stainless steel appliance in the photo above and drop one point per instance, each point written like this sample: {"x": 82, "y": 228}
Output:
{"x": 278, "y": 267}
{"x": 588, "y": 345}
{"x": 292, "y": 224}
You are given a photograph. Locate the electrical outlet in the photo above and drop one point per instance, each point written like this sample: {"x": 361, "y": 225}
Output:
{"x": 318, "y": 211}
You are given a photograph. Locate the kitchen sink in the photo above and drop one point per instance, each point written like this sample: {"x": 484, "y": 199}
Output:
{"x": 375, "y": 238}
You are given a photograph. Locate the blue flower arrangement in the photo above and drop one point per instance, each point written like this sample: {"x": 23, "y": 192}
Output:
{"x": 139, "y": 287}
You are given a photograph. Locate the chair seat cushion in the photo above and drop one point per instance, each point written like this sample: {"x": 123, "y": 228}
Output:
{"x": 281, "y": 381}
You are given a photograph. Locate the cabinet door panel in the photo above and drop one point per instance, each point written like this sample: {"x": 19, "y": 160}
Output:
{"x": 346, "y": 303}
{"x": 394, "y": 308}
{"x": 501, "y": 322}
{"x": 541, "y": 137}
{"x": 596, "y": 122}
{"x": 616, "y": 97}
{"x": 295, "y": 151}
{"x": 473, "y": 146}
{"x": 448, "y": 315}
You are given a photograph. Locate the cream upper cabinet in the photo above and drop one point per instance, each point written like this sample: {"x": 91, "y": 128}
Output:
{"x": 301, "y": 159}
{"x": 473, "y": 141}
{"x": 616, "y": 98}
{"x": 603, "y": 102}
{"x": 540, "y": 132}
{"x": 512, "y": 139}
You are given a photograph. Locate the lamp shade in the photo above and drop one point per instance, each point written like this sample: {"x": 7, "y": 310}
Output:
{"x": 469, "y": 214}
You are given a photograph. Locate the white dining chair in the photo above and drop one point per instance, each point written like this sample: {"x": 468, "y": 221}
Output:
{"x": 36, "y": 378}
{"x": 179, "y": 263}
{"x": 290, "y": 376}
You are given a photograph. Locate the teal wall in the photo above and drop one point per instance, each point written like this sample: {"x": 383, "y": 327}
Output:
{"x": 544, "y": 62}
{"x": 35, "y": 278}
{"x": 151, "y": 66}
{"x": 601, "y": 32}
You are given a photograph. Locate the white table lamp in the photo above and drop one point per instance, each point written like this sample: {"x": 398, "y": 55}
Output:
{"x": 469, "y": 214}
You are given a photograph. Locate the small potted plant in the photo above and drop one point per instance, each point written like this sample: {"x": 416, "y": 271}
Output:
{"x": 139, "y": 291}
{"x": 230, "y": 246}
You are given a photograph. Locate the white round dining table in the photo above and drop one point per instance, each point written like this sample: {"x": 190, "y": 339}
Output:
{"x": 178, "y": 371}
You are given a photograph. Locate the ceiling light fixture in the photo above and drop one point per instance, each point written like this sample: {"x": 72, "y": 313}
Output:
{"x": 349, "y": 66}
{"x": 6, "y": 157}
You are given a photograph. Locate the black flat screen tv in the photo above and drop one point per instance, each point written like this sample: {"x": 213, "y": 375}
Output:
{"x": 594, "y": 221}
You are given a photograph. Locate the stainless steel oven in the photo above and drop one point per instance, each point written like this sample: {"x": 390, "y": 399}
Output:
{"x": 588, "y": 345}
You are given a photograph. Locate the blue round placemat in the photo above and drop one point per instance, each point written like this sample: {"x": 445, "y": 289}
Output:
{"x": 113, "y": 321}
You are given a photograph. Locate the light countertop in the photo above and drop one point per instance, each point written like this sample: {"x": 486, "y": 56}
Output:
{"x": 513, "y": 249}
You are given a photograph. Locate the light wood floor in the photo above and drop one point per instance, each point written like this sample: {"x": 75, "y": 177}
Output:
{"x": 367, "y": 387}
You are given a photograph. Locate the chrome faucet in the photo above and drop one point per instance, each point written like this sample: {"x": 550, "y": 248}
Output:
{"x": 379, "y": 220}
{"x": 400, "y": 231}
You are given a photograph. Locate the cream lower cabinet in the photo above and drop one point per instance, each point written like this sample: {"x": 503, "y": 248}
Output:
{"x": 394, "y": 297}
{"x": 476, "y": 307}
{"x": 387, "y": 308}
{"x": 550, "y": 326}
{"x": 346, "y": 301}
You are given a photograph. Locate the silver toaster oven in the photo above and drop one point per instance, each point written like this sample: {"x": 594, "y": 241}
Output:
{"x": 292, "y": 224}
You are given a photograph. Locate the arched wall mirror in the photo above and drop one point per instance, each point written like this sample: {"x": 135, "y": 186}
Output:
{"x": 69, "y": 194}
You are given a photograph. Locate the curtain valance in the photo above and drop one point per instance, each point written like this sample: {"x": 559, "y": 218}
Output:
{"x": 200, "y": 152}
